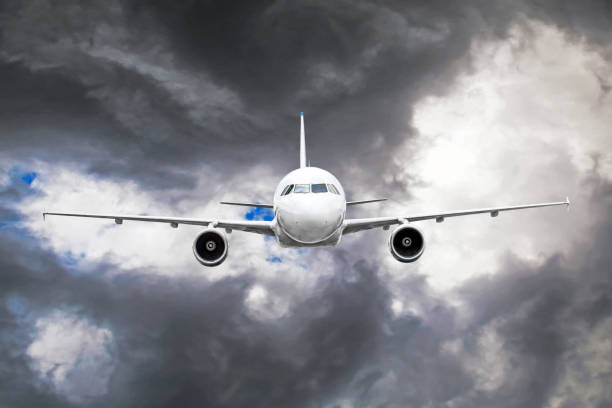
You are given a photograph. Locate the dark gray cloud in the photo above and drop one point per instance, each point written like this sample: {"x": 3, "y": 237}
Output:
{"x": 149, "y": 86}
{"x": 149, "y": 91}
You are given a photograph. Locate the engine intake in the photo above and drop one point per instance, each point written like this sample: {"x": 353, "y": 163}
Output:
{"x": 406, "y": 244}
{"x": 210, "y": 247}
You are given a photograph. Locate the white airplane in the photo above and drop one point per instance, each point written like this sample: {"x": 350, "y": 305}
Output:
{"x": 309, "y": 211}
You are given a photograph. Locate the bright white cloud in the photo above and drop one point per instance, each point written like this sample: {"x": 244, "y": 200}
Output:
{"x": 131, "y": 245}
{"x": 522, "y": 126}
{"x": 159, "y": 249}
{"x": 73, "y": 355}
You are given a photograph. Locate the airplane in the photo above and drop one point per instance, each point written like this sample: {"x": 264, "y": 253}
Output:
{"x": 309, "y": 209}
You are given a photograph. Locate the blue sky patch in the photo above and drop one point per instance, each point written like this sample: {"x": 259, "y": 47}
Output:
{"x": 71, "y": 259}
{"x": 20, "y": 177}
{"x": 259, "y": 214}
{"x": 274, "y": 259}
{"x": 29, "y": 177}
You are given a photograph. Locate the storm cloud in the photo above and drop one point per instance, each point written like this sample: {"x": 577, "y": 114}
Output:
{"x": 169, "y": 107}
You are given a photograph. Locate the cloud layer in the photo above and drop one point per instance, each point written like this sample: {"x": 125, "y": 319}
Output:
{"x": 163, "y": 108}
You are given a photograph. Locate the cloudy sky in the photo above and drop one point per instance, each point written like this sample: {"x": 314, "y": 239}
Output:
{"x": 166, "y": 108}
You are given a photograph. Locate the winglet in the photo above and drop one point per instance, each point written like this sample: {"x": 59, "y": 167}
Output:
{"x": 567, "y": 203}
{"x": 44, "y": 214}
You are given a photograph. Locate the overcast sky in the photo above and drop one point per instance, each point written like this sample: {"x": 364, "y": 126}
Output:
{"x": 166, "y": 108}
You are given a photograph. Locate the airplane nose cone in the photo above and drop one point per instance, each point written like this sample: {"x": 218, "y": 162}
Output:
{"x": 310, "y": 220}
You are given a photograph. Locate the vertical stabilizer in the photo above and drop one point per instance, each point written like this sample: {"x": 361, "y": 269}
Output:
{"x": 302, "y": 142}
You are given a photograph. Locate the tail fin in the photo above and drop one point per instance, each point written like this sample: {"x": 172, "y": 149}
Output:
{"x": 302, "y": 142}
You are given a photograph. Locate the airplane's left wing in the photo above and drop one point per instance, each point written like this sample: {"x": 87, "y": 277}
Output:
{"x": 258, "y": 227}
{"x": 360, "y": 224}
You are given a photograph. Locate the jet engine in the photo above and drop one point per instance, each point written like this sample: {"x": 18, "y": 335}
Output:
{"x": 210, "y": 247}
{"x": 406, "y": 243}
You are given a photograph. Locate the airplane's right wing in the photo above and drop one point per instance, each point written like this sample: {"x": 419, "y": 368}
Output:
{"x": 360, "y": 224}
{"x": 258, "y": 227}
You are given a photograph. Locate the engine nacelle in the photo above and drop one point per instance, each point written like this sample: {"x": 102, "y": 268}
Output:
{"x": 210, "y": 247}
{"x": 406, "y": 243}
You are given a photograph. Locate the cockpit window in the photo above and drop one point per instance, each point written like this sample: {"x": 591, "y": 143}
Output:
{"x": 319, "y": 188}
{"x": 301, "y": 188}
{"x": 333, "y": 189}
{"x": 287, "y": 189}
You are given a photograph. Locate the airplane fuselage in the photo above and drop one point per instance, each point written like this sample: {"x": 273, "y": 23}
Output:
{"x": 309, "y": 209}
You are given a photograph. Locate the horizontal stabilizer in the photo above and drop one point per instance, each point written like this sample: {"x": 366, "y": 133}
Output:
{"x": 365, "y": 201}
{"x": 247, "y": 204}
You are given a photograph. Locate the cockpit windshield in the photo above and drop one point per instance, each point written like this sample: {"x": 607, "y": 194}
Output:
{"x": 287, "y": 189}
{"x": 319, "y": 188}
{"x": 301, "y": 188}
{"x": 333, "y": 189}
{"x": 309, "y": 188}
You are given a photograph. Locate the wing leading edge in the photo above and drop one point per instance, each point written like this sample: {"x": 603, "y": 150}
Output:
{"x": 360, "y": 224}
{"x": 246, "y": 204}
{"x": 365, "y": 201}
{"x": 258, "y": 227}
